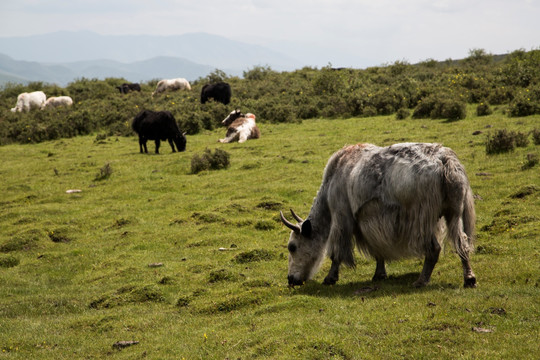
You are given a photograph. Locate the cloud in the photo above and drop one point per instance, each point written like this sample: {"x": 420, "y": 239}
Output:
{"x": 346, "y": 32}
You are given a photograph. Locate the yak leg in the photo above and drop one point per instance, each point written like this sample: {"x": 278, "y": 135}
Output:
{"x": 243, "y": 137}
{"x": 158, "y": 142}
{"x": 228, "y": 139}
{"x": 468, "y": 274}
{"x": 340, "y": 247}
{"x": 432, "y": 256}
{"x": 172, "y": 144}
{"x": 142, "y": 145}
{"x": 380, "y": 271}
{"x": 333, "y": 274}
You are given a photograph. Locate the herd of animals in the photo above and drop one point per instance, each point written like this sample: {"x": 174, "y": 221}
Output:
{"x": 160, "y": 125}
{"x": 392, "y": 202}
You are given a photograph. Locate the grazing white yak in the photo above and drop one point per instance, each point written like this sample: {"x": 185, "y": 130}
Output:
{"x": 56, "y": 101}
{"x": 28, "y": 101}
{"x": 240, "y": 127}
{"x": 171, "y": 84}
{"x": 396, "y": 201}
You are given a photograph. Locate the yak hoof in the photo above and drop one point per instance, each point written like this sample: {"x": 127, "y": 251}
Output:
{"x": 329, "y": 280}
{"x": 379, "y": 277}
{"x": 470, "y": 282}
{"x": 420, "y": 283}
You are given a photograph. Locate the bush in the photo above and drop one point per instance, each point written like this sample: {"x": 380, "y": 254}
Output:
{"x": 536, "y": 136}
{"x": 210, "y": 161}
{"x": 521, "y": 139}
{"x": 483, "y": 109}
{"x": 453, "y": 110}
{"x": 522, "y": 107}
{"x": 402, "y": 114}
{"x": 440, "y": 107}
{"x": 502, "y": 141}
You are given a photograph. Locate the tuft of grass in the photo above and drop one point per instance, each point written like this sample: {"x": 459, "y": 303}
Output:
{"x": 8, "y": 261}
{"x": 531, "y": 161}
{"x": 104, "y": 173}
{"x": 253, "y": 255}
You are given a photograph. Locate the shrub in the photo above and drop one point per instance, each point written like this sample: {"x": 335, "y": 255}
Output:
{"x": 536, "y": 136}
{"x": 440, "y": 107}
{"x": 210, "y": 161}
{"x": 453, "y": 110}
{"x": 502, "y": 141}
{"x": 369, "y": 111}
{"x": 522, "y": 107}
{"x": 402, "y": 114}
{"x": 104, "y": 173}
{"x": 521, "y": 139}
{"x": 531, "y": 161}
{"x": 483, "y": 109}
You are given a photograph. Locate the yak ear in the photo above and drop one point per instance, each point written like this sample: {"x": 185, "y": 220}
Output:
{"x": 306, "y": 228}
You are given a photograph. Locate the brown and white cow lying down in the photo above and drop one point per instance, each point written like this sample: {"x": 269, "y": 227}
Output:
{"x": 240, "y": 127}
{"x": 395, "y": 201}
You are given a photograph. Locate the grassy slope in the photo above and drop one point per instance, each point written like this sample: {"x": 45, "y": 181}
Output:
{"x": 76, "y": 297}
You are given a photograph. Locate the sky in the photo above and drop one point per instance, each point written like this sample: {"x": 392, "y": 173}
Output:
{"x": 355, "y": 33}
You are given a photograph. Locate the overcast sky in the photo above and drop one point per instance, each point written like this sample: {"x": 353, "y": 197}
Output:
{"x": 356, "y": 33}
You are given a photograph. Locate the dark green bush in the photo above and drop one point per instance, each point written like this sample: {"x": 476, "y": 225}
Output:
{"x": 536, "y": 136}
{"x": 440, "y": 107}
{"x": 483, "y": 109}
{"x": 210, "y": 161}
{"x": 402, "y": 114}
{"x": 502, "y": 141}
{"x": 452, "y": 110}
{"x": 523, "y": 106}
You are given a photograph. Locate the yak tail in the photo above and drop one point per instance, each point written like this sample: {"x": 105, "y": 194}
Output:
{"x": 469, "y": 218}
{"x": 461, "y": 216}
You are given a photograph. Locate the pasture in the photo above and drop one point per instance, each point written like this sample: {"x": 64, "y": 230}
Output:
{"x": 194, "y": 266}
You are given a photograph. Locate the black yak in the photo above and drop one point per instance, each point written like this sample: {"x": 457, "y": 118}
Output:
{"x": 396, "y": 201}
{"x": 125, "y": 88}
{"x": 220, "y": 92}
{"x": 158, "y": 125}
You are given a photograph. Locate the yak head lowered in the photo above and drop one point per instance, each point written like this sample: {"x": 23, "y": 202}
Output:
{"x": 306, "y": 250}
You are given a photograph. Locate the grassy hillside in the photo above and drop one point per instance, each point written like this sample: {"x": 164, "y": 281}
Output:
{"x": 194, "y": 266}
{"x": 430, "y": 90}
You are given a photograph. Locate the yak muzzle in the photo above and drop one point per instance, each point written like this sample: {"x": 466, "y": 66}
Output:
{"x": 294, "y": 281}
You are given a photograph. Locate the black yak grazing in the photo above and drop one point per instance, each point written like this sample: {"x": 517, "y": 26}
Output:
{"x": 126, "y": 88}
{"x": 158, "y": 125}
{"x": 220, "y": 92}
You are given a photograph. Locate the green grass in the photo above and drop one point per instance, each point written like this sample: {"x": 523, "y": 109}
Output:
{"x": 78, "y": 278}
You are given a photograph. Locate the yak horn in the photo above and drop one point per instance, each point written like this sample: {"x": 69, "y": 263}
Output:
{"x": 298, "y": 218}
{"x": 288, "y": 224}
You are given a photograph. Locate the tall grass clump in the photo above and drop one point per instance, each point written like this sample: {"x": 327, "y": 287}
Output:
{"x": 219, "y": 159}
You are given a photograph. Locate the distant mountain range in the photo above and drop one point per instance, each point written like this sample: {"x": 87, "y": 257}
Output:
{"x": 62, "y": 57}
